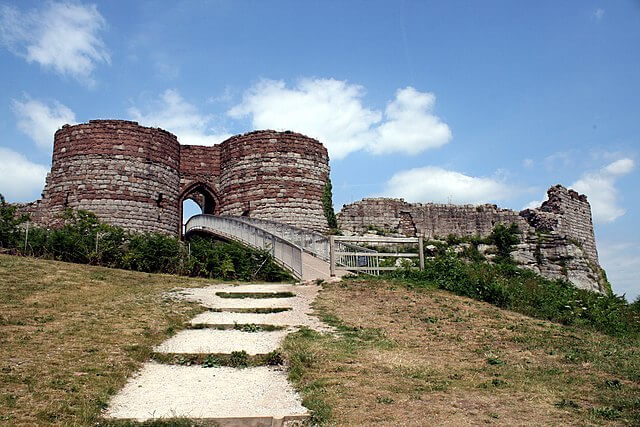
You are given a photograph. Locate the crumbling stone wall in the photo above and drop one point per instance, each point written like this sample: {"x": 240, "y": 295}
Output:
{"x": 277, "y": 176}
{"x": 137, "y": 177}
{"x": 557, "y": 238}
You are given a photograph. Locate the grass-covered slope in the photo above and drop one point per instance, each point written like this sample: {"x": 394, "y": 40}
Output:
{"x": 417, "y": 355}
{"x": 71, "y": 334}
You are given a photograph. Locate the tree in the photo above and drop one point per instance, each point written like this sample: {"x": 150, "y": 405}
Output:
{"x": 327, "y": 205}
{"x": 10, "y": 224}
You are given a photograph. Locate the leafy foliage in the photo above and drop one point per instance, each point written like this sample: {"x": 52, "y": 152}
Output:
{"x": 327, "y": 205}
{"x": 504, "y": 238}
{"x": 524, "y": 291}
{"x": 9, "y": 223}
{"x": 84, "y": 239}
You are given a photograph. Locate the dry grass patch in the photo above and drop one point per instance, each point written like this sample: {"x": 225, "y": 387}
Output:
{"x": 71, "y": 334}
{"x": 405, "y": 357}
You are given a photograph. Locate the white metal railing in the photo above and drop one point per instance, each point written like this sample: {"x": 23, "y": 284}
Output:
{"x": 310, "y": 241}
{"x": 344, "y": 255}
{"x": 285, "y": 252}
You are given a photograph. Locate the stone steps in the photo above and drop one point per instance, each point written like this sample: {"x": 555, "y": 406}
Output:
{"x": 250, "y": 396}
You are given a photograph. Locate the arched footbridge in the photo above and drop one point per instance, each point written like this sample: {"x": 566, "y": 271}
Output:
{"x": 306, "y": 254}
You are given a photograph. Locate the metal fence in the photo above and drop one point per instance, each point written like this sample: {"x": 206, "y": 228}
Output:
{"x": 284, "y": 252}
{"x": 344, "y": 255}
{"x": 310, "y": 241}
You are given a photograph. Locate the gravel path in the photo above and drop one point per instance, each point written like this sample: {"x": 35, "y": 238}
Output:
{"x": 216, "y": 341}
{"x": 233, "y": 396}
{"x": 285, "y": 318}
{"x": 163, "y": 391}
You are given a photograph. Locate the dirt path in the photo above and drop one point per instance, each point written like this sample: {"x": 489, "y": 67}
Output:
{"x": 256, "y": 396}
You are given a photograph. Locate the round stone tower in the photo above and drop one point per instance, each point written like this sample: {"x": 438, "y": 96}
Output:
{"x": 127, "y": 174}
{"x": 272, "y": 175}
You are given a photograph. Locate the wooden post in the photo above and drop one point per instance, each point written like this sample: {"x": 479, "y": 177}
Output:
{"x": 332, "y": 256}
{"x": 421, "y": 250}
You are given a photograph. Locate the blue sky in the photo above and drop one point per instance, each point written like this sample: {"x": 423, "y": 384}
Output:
{"x": 469, "y": 102}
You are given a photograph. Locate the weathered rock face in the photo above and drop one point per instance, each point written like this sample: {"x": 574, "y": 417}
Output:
{"x": 137, "y": 177}
{"x": 557, "y": 239}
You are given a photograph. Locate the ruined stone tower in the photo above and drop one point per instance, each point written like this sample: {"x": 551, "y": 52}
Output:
{"x": 137, "y": 177}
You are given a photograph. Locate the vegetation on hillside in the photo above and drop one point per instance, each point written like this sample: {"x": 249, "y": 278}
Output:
{"x": 418, "y": 355}
{"x": 71, "y": 335}
{"x": 84, "y": 239}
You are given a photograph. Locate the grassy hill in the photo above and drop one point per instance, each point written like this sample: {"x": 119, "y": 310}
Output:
{"x": 429, "y": 357}
{"x": 71, "y": 334}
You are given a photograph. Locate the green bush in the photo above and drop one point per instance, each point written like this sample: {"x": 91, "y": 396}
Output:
{"x": 327, "y": 205}
{"x": 154, "y": 253}
{"x": 504, "y": 238}
{"x": 84, "y": 239}
{"x": 508, "y": 286}
{"x": 10, "y": 233}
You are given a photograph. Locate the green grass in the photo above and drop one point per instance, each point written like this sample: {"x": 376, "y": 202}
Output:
{"x": 255, "y": 295}
{"x": 71, "y": 335}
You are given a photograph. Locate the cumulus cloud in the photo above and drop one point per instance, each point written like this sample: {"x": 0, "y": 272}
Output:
{"x": 434, "y": 184}
{"x": 20, "y": 179}
{"x": 40, "y": 121}
{"x": 599, "y": 186}
{"x": 173, "y": 113}
{"x": 332, "y": 111}
{"x": 62, "y": 36}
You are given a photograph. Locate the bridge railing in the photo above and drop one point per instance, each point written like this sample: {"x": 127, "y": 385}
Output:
{"x": 285, "y": 253}
{"x": 310, "y": 241}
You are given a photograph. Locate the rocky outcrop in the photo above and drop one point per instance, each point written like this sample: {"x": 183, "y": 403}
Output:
{"x": 557, "y": 239}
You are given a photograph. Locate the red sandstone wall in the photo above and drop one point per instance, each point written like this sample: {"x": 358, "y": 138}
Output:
{"x": 273, "y": 175}
{"x": 199, "y": 164}
{"x": 118, "y": 170}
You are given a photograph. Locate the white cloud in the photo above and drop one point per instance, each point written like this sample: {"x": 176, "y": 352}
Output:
{"x": 40, "y": 121}
{"x": 173, "y": 113}
{"x": 433, "y": 184}
{"x": 410, "y": 127}
{"x": 599, "y": 186}
{"x": 621, "y": 261}
{"x": 332, "y": 111}
{"x": 63, "y": 36}
{"x": 20, "y": 179}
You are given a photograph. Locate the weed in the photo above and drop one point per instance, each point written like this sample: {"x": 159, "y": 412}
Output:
{"x": 384, "y": 400}
{"x": 605, "y": 412}
{"x": 211, "y": 362}
{"x": 255, "y": 295}
{"x": 250, "y": 327}
{"x": 494, "y": 361}
{"x": 274, "y": 358}
{"x": 614, "y": 384}
{"x": 567, "y": 403}
{"x": 239, "y": 359}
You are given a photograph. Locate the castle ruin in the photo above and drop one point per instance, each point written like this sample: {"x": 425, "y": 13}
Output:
{"x": 138, "y": 177}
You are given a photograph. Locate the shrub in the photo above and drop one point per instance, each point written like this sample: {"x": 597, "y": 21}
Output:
{"x": 508, "y": 286}
{"x": 327, "y": 205}
{"x": 84, "y": 239}
{"x": 10, "y": 224}
{"x": 504, "y": 238}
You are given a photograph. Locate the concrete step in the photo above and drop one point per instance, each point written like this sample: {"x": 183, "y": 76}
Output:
{"x": 259, "y": 396}
{"x": 222, "y": 341}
